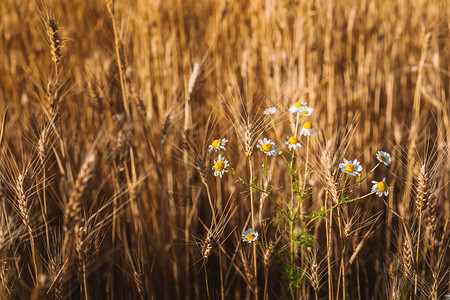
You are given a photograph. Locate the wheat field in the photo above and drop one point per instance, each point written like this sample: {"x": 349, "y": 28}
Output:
{"x": 194, "y": 149}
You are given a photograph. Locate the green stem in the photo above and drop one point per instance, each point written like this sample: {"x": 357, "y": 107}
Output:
{"x": 292, "y": 258}
{"x": 333, "y": 207}
{"x": 266, "y": 166}
{"x": 248, "y": 184}
{"x": 343, "y": 188}
{"x": 253, "y": 226}
{"x": 365, "y": 177}
{"x": 300, "y": 208}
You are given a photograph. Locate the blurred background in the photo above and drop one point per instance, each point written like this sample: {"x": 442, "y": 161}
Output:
{"x": 109, "y": 108}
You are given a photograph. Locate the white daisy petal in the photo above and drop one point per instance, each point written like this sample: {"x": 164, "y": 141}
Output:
{"x": 217, "y": 145}
{"x": 296, "y": 107}
{"x": 250, "y": 235}
{"x": 270, "y": 111}
{"x": 293, "y": 143}
{"x": 267, "y": 146}
{"x": 301, "y": 109}
{"x": 307, "y": 129}
{"x": 305, "y": 111}
{"x": 220, "y": 166}
{"x": 384, "y": 157}
{"x": 351, "y": 167}
{"x": 380, "y": 188}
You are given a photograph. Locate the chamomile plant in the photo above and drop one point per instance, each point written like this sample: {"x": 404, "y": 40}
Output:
{"x": 291, "y": 239}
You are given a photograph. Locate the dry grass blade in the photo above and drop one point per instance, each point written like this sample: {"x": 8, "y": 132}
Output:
{"x": 3, "y": 126}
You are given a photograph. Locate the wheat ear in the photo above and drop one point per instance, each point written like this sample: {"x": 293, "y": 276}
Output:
{"x": 73, "y": 207}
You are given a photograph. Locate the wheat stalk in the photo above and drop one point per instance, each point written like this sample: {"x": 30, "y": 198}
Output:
{"x": 421, "y": 203}
{"x": 55, "y": 42}
{"x": 137, "y": 277}
{"x": 25, "y": 216}
{"x": 55, "y": 271}
{"x": 422, "y": 190}
{"x": 407, "y": 260}
{"x": 73, "y": 207}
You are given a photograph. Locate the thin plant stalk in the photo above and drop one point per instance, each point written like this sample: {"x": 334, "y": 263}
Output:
{"x": 86, "y": 295}
{"x": 253, "y": 226}
{"x": 120, "y": 65}
{"x": 328, "y": 227}
{"x": 417, "y": 253}
{"x": 300, "y": 203}
{"x": 341, "y": 268}
{"x": 292, "y": 218}
{"x": 219, "y": 201}
{"x": 206, "y": 282}
{"x": 210, "y": 203}
{"x": 292, "y": 250}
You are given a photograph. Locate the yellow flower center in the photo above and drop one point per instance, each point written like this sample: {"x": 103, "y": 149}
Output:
{"x": 267, "y": 147}
{"x": 298, "y": 104}
{"x": 293, "y": 140}
{"x": 383, "y": 158}
{"x": 307, "y": 125}
{"x": 382, "y": 186}
{"x": 350, "y": 167}
{"x": 218, "y": 166}
{"x": 215, "y": 143}
{"x": 304, "y": 112}
{"x": 250, "y": 237}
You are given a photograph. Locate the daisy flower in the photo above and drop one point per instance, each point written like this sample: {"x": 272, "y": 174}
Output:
{"x": 220, "y": 166}
{"x": 250, "y": 235}
{"x": 295, "y": 108}
{"x": 293, "y": 143}
{"x": 267, "y": 146}
{"x": 351, "y": 167}
{"x": 270, "y": 111}
{"x": 301, "y": 109}
{"x": 384, "y": 157}
{"x": 305, "y": 111}
{"x": 380, "y": 188}
{"x": 218, "y": 144}
{"x": 307, "y": 129}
